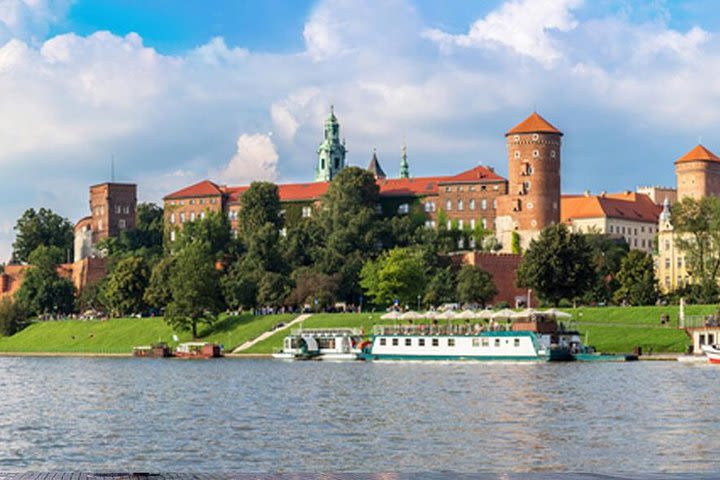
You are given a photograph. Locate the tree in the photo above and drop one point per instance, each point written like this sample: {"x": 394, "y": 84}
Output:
{"x": 311, "y": 285}
{"x": 558, "y": 265}
{"x": 195, "y": 289}
{"x": 697, "y": 224}
{"x": 303, "y": 243}
{"x": 126, "y": 285}
{"x": 43, "y": 291}
{"x": 158, "y": 293}
{"x": 213, "y": 231}
{"x": 638, "y": 285}
{"x": 145, "y": 240}
{"x": 259, "y": 205}
{"x": 515, "y": 246}
{"x": 398, "y": 274}
{"x": 273, "y": 288}
{"x": 42, "y": 227}
{"x": 607, "y": 254}
{"x": 475, "y": 285}
{"x": 240, "y": 284}
{"x": 12, "y": 317}
{"x": 441, "y": 288}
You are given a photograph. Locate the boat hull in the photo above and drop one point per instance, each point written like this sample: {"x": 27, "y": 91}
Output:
{"x": 452, "y": 358}
{"x": 712, "y": 353}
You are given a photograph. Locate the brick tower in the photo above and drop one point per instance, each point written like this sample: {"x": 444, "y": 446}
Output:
{"x": 112, "y": 206}
{"x": 698, "y": 174}
{"x": 533, "y": 200}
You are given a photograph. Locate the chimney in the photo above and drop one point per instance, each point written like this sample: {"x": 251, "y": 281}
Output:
{"x": 603, "y": 193}
{"x": 587, "y": 193}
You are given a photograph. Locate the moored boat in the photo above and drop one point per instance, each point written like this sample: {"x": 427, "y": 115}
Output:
{"x": 712, "y": 352}
{"x": 337, "y": 344}
{"x": 198, "y": 350}
{"x": 158, "y": 350}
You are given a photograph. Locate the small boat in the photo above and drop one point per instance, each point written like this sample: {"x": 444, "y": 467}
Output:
{"x": 198, "y": 350}
{"x": 158, "y": 350}
{"x": 712, "y": 352}
{"x": 336, "y": 344}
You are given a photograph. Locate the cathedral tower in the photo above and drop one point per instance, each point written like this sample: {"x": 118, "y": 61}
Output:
{"x": 404, "y": 167}
{"x": 331, "y": 153}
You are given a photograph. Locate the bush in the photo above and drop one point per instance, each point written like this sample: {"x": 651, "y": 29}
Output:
{"x": 12, "y": 317}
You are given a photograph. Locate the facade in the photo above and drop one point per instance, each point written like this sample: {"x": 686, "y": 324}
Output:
{"x": 698, "y": 174}
{"x": 659, "y": 194}
{"x": 628, "y": 216}
{"x": 83, "y": 273}
{"x": 671, "y": 268}
{"x": 533, "y": 199}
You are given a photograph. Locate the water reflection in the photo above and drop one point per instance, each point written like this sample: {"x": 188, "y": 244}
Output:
{"x": 260, "y": 415}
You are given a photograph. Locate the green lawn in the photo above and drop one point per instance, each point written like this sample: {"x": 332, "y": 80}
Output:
{"x": 120, "y": 335}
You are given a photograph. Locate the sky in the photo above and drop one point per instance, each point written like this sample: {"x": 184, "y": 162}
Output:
{"x": 236, "y": 90}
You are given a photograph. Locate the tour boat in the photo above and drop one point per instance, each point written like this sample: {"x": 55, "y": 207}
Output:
{"x": 321, "y": 344}
{"x": 712, "y": 352}
{"x": 198, "y": 350}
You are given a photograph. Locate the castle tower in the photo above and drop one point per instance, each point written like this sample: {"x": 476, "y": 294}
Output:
{"x": 698, "y": 174}
{"x": 331, "y": 153}
{"x": 375, "y": 168}
{"x": 533, "y": 200}
{"x": 112, "y": 207}
{"x": 404, "y": 167}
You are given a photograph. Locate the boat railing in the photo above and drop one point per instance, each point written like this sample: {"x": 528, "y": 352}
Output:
{"x": 327, "y": 332}
{"x": 699, "y": 321}
{"x": 453, "y": 329}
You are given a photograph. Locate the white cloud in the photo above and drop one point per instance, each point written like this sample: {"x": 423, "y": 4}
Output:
{"x": 256, "y": 159}
{"x": 216, "y": 52}
{"x": 30, "y": 19}
{"x": 521, "y": 25}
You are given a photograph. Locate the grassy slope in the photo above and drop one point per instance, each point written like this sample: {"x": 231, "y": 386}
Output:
{"x": 609, "y": 329}
{"x": 120, "y": 335}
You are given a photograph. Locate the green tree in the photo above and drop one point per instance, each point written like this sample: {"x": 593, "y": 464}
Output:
{"x": 158, "y": 293}
{"x": 240, "y": 284}
{"x": 397, "y": 274}
{"x": 42, "y": 228}
{"x": 638, "y": 285}
{"x": 607, "y": 254}
{"x": 273, "y": 288}
{"x": 303, "y": 243}
{"x": 126, "y": 285}
{"x": 697, "y": 224}
{"x": 441, "y": 288}
{"x": 12, "y": 317}
{"x": 515, "y": 244}
{"x": 145, "y": 240}
{"x": 195, "y": 288}
{"x": 310, "y": 286}
{"x": 475, "y": 285}
{"x": 259, "y": 205}
{"x": 213, "y": 231}
{"x": 558, "y": 265}
{"x": 43, "y": 291}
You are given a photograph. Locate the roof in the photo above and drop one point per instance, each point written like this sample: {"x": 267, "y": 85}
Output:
{"x": 698, "y": 154}
{"x": 534, "y": 124}
{"x": 375, "y": 168}
{"x": 206, "y": 188}
{"x": 475, "y": 174}
{"x": 629, "y": 206}
{"x": 409, "y": 187}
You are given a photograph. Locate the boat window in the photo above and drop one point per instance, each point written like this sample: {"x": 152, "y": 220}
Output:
{"x": 435, "y": 342}
{"x": 451, "y": 342}
{"x": 421, "y": 342}
{"x": 395, "y": 342}
{"x": 383, "y": 342}
{"x": 711, "y": 339}
{"x": 497, "y": 342}
{"x": 485, "y": 342}
{"x": 517, "y": 342}
{"x": 476, "y": 342}
{"x": 702, "y": 339}
{"x": 408, "y": 342}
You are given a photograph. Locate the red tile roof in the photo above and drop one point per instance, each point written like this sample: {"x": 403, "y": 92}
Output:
{"x": 206, "y": 188}
{"x": 631, "y": 206}
{"x": 302, "y": 191}
{"x": 534, "y": 124}
{"x": 699, "y": 153}
{"x": 475, "y": 174}
{"x": 408, "y": 187}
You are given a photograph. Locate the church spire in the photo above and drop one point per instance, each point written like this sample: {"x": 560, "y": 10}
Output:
{"x": 404, "y": 167}
{"x": 375, "y": 168}
{"x": 331, "y": 153}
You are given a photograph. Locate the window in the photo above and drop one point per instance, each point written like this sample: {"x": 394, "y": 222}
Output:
{"x": 118, "y": 209}
{"x": 383, "y": 342}
{"x": 497, "y": 342}
{"x": 529, "y": 205}
{"x": 408, "y": 342}
{"x": 191, "y": 202}
{"x": 306, "y": 212}
{"x": 667, "y": 263}
{"x": 403, "y": 208}
{"x": 536, "y": 153}
{"x": 483, "y": 204}
{"x": 172, "y": 235}
{"x": 448, "y": 205}
{"x": 611, "y": 229}
{"x": 485, "y": 342}
{"x": 484, "y": 222}
{"x": 553, "y": 153}
{"x": 460, "y": 224}
{"x": 126, "y": 209}
{"x": 461, "y": 205}
{"x": 535, "y": 136}
{"x": 516, "y": 138}
{"x": 192, "y": 216}
{"x": 378, "y": 209}
{"x": 701, "y": 340}
{"x": 429, "y": 206}
{"x": 475, "y": 342}
{"x": 667, "y": 245}
{"x": 472, "y": 204}
{"x": 494, "y": 203}
{"x": 517, "y": 154}
{"x": 451, "y": 342}
{"x": 429, "y": 224}
{"x": 121, "y": 223}
{"x": 395, "y": 342}
{"x": 421, "y": 342}
{"x": 472, "y": 224}
{"x": 679, "y": 262}
{"x": 435, "y": 342}
{"x": 516, "y": 342}
{"x": 449, "y": 224}
{"x": 172, "y": 218}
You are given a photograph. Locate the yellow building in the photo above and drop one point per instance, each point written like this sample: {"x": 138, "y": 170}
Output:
{"x": 670, "y": 262}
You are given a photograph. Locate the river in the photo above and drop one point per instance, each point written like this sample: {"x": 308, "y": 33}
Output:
{"x": 62, "y": 414}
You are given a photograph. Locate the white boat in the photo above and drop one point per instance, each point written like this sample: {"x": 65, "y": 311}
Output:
{"x": 338, "y": 344}
{"x": 712, "y": 352}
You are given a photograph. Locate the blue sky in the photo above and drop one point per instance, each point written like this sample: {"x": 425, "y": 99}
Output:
{"x": 179, "y": 91}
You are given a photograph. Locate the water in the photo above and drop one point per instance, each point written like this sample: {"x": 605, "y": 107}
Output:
{"x": 61, "y": 414}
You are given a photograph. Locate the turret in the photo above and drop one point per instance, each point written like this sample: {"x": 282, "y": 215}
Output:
{"x": 404, "y": 167}
{"x": 331, "y": 153}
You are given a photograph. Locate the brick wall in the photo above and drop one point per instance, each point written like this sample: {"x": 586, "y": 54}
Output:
{"x": 502, "y": 267}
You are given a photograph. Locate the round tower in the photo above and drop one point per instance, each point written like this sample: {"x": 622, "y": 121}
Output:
{"x": 533, "y": 148}
{"x": 698, "y": 174}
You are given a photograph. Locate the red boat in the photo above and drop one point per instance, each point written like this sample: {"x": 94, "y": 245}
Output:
{"x": 712, "y": 352}
{"x": 198, "y": 350}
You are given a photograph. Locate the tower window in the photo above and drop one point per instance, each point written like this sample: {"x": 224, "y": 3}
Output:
{"x": 517, "y": 154}
{"x": 553, "y": 154}
{"x": 337, "y": 163}
{"x": 536, "y": 153}
{"x": 535, "y": 136}
{"x": 322, "y": 164}
{"x": 516, "y": 138}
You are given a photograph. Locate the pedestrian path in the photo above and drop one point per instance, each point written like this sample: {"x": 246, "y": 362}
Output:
{"x": 270, "y": 333}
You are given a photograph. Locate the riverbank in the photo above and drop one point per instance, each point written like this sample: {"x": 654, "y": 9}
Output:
{"x": 608, "y": 329}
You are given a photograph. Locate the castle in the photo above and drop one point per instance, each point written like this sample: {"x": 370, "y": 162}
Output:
{"x": 522, "y": 205}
